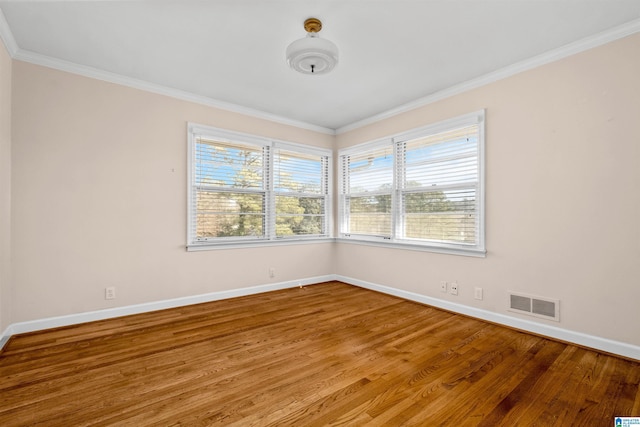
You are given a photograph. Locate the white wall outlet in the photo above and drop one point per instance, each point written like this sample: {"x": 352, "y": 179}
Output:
{"x": 443, "y": 286}
{"x": 110, "y": 292}
{"x": 454, "y": 288}
{"x": 272, "y": 272}
{"x": 477, "y": 293}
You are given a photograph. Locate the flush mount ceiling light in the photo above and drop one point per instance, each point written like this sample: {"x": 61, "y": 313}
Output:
{"x": 312, "y": 55}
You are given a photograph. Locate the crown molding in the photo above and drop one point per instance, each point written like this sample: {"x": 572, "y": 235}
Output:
{"x": 7, "y": 36}
{"x": 35, "y": 58}
{"x": 70, "y": 67}
{"x": 587, "y": 43}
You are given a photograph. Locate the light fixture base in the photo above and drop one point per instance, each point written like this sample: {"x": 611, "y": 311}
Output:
{"x": 312, "y": 55}
{"x": 312, "y": 25}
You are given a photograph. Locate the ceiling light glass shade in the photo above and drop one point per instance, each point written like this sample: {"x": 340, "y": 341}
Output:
{"x": 312, "y": 55}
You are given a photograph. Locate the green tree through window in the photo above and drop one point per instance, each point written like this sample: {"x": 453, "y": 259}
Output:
{"x": 242, "y": 190}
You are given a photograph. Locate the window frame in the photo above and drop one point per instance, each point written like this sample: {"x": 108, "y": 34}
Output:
{"x": 325, "y": 194}
{"x": 342, "y": 203}
{"x": 396, "y": 239}
{"x": 270, "y": 146}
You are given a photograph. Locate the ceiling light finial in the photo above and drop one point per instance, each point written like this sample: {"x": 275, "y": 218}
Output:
{"x": 313, "y": 25}
{"x": 312, "y": 55}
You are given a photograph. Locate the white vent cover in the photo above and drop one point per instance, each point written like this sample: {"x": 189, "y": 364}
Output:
{"x": 546, "y": 308}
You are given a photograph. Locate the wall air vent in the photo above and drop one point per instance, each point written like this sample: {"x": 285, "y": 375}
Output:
{"x": 545, "y": 308}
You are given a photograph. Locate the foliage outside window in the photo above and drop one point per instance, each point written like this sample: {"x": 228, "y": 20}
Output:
{"x": 245, "y": 189}
{"x": 424, "y": 188}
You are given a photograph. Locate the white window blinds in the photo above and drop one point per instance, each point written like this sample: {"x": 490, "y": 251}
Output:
{"x": 249, "y": 189}
{"x": 367, "y": 184}
{"x": 229, "y": 189}
{"x": 301, "y": 187}
{"x": 424, "y": 187}
{"x": 439, "y": 191}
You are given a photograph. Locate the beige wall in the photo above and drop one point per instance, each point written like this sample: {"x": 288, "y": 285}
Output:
{"x": 5, "y": 187}
{"x": 562, "y": 196}
{"x": 99, "y": 178}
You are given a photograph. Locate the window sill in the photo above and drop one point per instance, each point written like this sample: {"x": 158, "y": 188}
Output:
{"x": 477, "y": 253}
{"x": 209, "y": 246}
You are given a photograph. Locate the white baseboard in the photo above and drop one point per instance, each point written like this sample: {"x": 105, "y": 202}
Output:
{"x": 5, "y": 336}
{"x": 579, "y": 338}
{"x": 90, "y": 316}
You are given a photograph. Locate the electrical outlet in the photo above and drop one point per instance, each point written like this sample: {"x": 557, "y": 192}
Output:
{"x": 272, "y": 272}
{"x": 454, "y": 288}
{"x": 443, "y": 286}
{"x": 477, "y": 293}
{"x": 110, "y": 292}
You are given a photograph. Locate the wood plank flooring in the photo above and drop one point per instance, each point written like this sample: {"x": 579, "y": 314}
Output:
{"x": 328, "y": 354}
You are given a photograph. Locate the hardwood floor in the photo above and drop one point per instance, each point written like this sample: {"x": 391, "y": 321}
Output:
{"x": 328, "y": 354}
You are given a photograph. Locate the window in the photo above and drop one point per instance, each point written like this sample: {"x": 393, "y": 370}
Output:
{"x": 367, "y": 191}
{"x": 301, "y": 189}
{"x": 246, "y": 189}
{"x": 423, "y": 188}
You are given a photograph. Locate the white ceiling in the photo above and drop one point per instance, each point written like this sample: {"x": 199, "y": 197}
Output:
{"x": 392, "y": 52}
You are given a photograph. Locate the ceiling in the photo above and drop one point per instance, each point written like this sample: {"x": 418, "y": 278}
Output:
{"x": 392, "y": 52}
